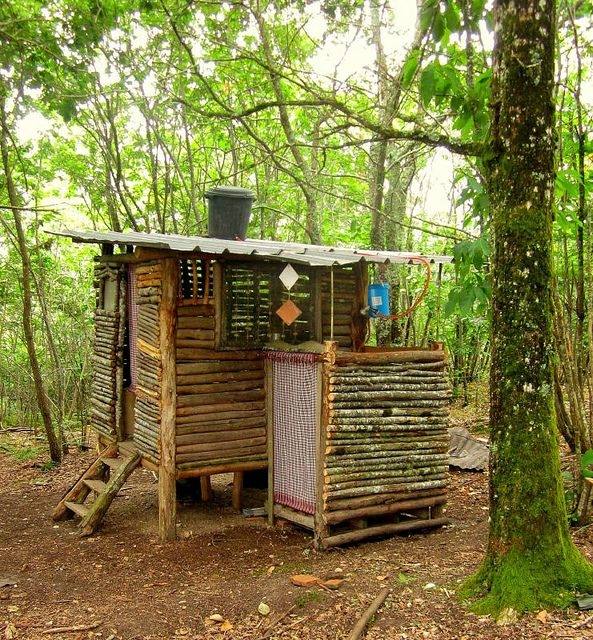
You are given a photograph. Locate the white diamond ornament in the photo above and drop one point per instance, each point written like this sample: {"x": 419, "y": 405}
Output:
{"x": 289, "y": 276}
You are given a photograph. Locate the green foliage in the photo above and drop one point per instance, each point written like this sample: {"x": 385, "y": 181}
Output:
{"x": 22, "y": 453}
{"x": 524, "y": 581}
{"x": 311, "y": 596}
{"x": 470, "y": 296}
{"x": 586, "y": 462}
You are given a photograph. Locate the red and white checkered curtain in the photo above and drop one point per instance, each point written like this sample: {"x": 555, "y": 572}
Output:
{"x": 295, "y": 428}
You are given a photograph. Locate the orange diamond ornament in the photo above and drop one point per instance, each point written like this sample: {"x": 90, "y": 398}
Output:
{"x": 289, "y": 312}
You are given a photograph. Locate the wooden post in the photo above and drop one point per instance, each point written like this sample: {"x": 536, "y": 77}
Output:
{"x": 317, "y": 305}
{"x": 360, "y": 324}
{"x": 237, "y": 490}
{"x": 321, "y": 529}
{"x": 269, "y": 388}
{"x": 205, "y": 488}
{"x": 122, "y": 307}
{"x": 168, "y": 327}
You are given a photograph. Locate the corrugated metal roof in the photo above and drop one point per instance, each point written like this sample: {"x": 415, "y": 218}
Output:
{"x": 310, "y": 254}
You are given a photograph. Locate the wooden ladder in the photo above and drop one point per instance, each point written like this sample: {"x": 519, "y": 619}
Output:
{"x": 101, "y": 481}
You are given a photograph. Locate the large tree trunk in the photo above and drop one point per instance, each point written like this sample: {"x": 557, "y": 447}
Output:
{"x": 42, "y": 399}
{"x": 531, "y": 561}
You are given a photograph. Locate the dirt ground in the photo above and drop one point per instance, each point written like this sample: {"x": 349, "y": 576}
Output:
{"x": 131, "y": 587}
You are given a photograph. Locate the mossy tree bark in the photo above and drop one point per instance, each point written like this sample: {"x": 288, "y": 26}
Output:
{"x": 531, "y": 561}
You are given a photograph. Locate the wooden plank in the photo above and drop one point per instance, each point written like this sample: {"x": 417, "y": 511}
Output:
{"x": 210, "y": 354}
{"x": 223, "y": 376}
{"x": 303, "y": 519}
{"x": 210, "y": 367}
{"x": 200, "y": 469}
{"x": 381, "y": 530}
{"x": 113, "y": 463}
{"x": 168, "y": 328}
{"x": 223, "y": 387}
{"x": 98, "y": 486}
{"x": 78, "y": 508}
{"x": 382, "y": 357}
{"x": 333, "y": 517}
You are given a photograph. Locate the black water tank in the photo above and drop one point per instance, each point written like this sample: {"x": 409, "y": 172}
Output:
{"x": 229, "y": 210}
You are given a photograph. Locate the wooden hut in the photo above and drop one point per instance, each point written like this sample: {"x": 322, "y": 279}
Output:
{"x": 206, "y": 363}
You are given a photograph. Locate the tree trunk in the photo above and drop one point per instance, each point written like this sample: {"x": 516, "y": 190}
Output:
{"x": 531, "y": 561}
{"x": 55, "y": 450}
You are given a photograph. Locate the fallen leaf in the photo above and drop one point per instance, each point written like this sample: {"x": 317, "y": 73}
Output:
{"x": 10, "y": 631}
{"x": 263, "y": 608}
{"x": 270, "y": 570}
{"x": 5, "y": 581}
{"x": 304, "y": 580}
{"x": 381, "y": 578}
{"x": 429, "y": 585}
{"x": 507, "y": 616}
{"x": 543, "y": 616}
{"x": 226, "y": 626}
{"x": 216, "y": 617}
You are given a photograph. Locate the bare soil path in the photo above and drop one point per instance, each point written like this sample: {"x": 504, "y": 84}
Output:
{"x": 134, "y": 588}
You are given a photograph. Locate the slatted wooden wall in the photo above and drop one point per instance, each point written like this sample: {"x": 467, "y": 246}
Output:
{"x": 220, "y": 394}
{"x": 147, "y": 414}
{"x": 344, "y": 304}
{"x": 252, "y": 292}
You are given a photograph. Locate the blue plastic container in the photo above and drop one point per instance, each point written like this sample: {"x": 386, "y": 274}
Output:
{"x": 379, "y": 298}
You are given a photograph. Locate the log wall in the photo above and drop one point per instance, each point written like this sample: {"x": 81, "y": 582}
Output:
{"x": 108, "y": 337}
{"x": 386, "y": 440}
{"x": 148, "y": 368}
{"x": 221, "y": 418}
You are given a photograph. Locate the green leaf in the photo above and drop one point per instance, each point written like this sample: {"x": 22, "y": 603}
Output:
{"x": 451, "y": 304}
{"x": 452, "y": 17}
{"x": 427, "y": 14}
{"x": 438, "y": 27}
{"x": 462, "y": 120}
{"x": 67, "y": 109}
{"x": 410, "y": 67}
{"x": 586, "y": 463}
{"x": 427, "y": 84}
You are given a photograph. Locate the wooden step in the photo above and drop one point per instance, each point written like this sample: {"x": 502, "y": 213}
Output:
{"x": 76, "y": 507}
{"x": 98, "y": 486}
{"x": 127, "y": 447}
{"x": 114, "y": 463}
{"x": 79, "y": 490}
{"x": 97, "y": 509}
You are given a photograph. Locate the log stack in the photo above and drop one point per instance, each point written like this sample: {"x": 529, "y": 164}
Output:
{"x": 147, "y": 412}
{"x": 103, "y": 391}
{"x": 106, "y": 345}
{"x": 386, "y": 443}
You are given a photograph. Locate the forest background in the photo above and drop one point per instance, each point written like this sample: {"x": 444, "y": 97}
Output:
{"x": 361, "y": 123}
